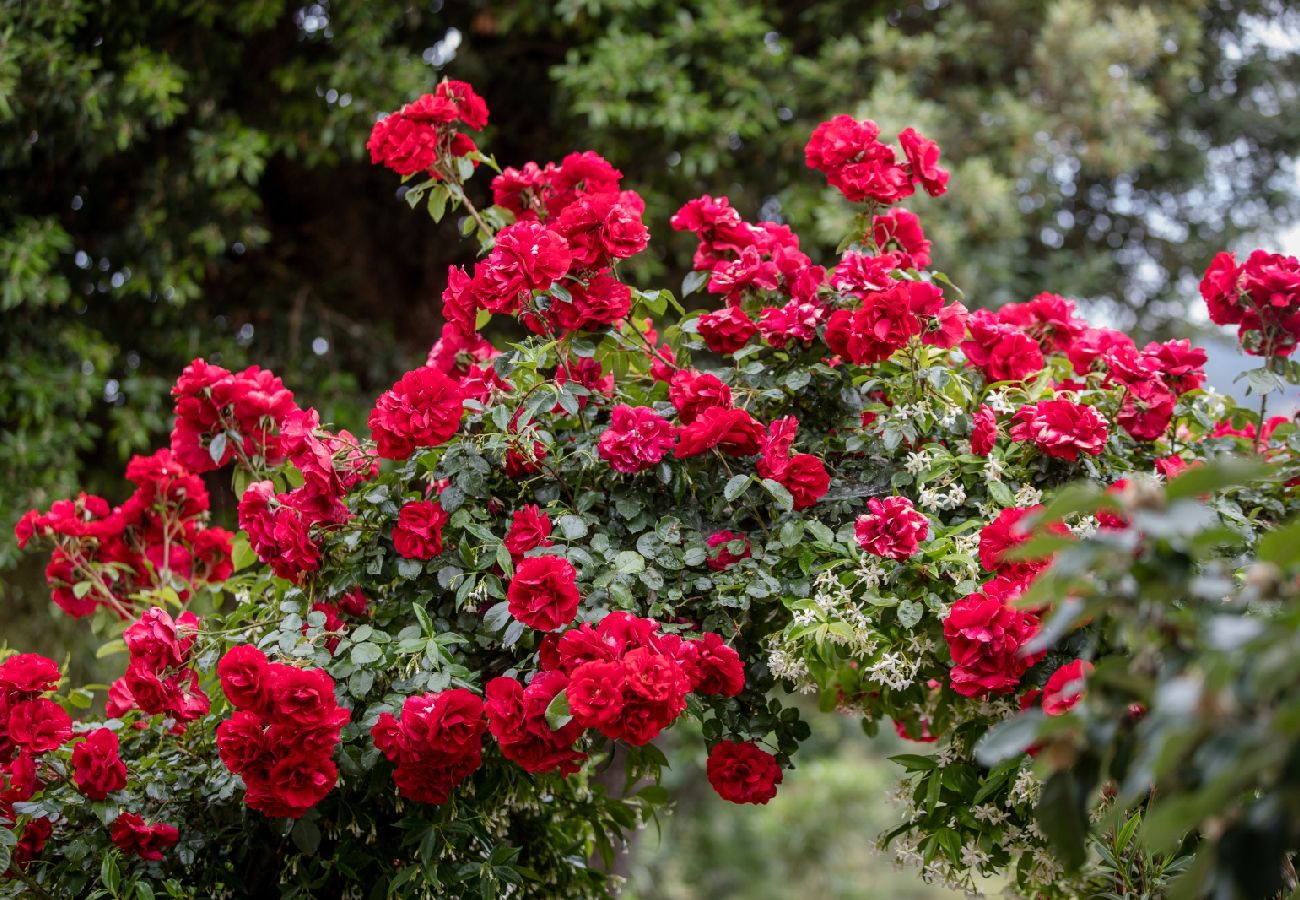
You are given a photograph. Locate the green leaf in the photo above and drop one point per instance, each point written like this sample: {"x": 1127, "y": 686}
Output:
{"x": 1008, "y": 738}
{"x": 1063, "y": 817}
{"x": 909, "y": 613}
{"x": 241, "y": 554}
{"x": 693, "y": 282}
{"x": 629, "y": 562}
{"x": 572, "y": 527}
{"x": 306, "y": 836}
{"x": 497, "y": 616}
{"x": 217, "y": 449}
{"x": 1210, "y": 477}
{"x": 779, "y": 493}
{"x": 1282, "y": 546}
{"x": 109, "y": 874}
{"x": 736, "y": 486}
{"x": 111, "y": 648}
{"x": 557, "y": 711}
{"x": 364, "y": 654}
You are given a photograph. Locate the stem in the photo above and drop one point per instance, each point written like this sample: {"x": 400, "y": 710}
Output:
{"x": 1259, "y": 426}
{"x": 474, "y": 214}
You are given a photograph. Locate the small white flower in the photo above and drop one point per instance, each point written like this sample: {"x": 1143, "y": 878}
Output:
{"x": 917, "y": 462}
{"x": 1028, "y": 495}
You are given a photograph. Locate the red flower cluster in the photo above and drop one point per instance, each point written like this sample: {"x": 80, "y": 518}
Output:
{"x": 134, "y": 836}
{"x": 726, "y": 557}
{"x": 628, "y": 681}
{"x": 1002, "y": 351}
{"x": 986, "y": 636}
{"x": 103, "y": 556}
{"x": 97, "y": 769}
{"x": 159, "y": 679}
{"x": 283, "y": 732}
{"x": 422, "y": 137}
{"x": 544, "y": 592}
{"x": 890, "y": 312}
{"x": 30, "y": 725}
{"x": 222, "y": 416}
{"x": 893, "y": 529}
{"x": 802, "y": 474}
{"x": 862, "y": 168}
{"x": 1061, "y": 429}
{"x": 517, "y": 719}
{"x": 278, "y": 531}
{"x": 747, "y": 261}
{"x": 743, "y": 772}
{"x": 1260, "y": 296}
{"x": 423, "y": 409}
{"x": 418, "y": 532}
{"x": 437, "y": 744}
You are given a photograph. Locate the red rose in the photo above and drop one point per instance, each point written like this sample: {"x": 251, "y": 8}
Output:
{"x": 517, "y": 719}
{"x": 418, "y": 532}
{"x": 544, "y": 592}
{"x": 743, "y": 772}
{"x": 39, "y": 725}
{"x": 985, "y": 636}
{"x": 1002, "y": 352}
{"x": 714, "y": 667}
{"x": 1004, "y": 533}
{"x": 243, "y": 671}
{"x": 278, "y": 531}
{"x": 725, "y": 557}
{"x": 96, "y": 767}
{"x": 527, "y": 257}
{"x": 636, "y": 439}
{"x": 1060, "y": 428}
{"x": 923, "y": 158}
{"x": 595, "y": 693}
{"x": 893, "y": 529}
{"x": 303, "y": 698}
{"x": 1147, "y": 410}
{"x": 732, "y": 431}
{"x": 27, "y": 675}
{"x": 900, "y": 230}
{"x": 1065, "y": 687}
{"x": 1220, "y": 287}
{"x": 297, "y": 783}
{"x": 423, "y": 409}
{"x": 243, "y": 746}
{"x": 806, "y": 478}
{"x": 984, "y": 433}
{"x": 530, "y": 529}
{"x": 449, "y": 722}
{"x": 35, "y": 833}
{"x": 133, "y": 836}
{"x": 693, "y": 392}
{"x": 726, "y": 330}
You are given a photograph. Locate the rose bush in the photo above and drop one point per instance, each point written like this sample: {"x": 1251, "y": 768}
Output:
{"x": 416, "y": 667}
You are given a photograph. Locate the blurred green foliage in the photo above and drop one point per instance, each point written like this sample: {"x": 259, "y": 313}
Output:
{"x": 815, "y": 837}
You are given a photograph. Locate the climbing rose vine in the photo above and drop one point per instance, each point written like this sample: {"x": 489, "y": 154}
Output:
{"x": 435, "y": 660}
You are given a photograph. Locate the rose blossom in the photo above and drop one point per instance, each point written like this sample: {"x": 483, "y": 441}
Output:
{"x": 544, "y": 592}
{"x": 893, "y": 529}
{"x": 743, "y": 772}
